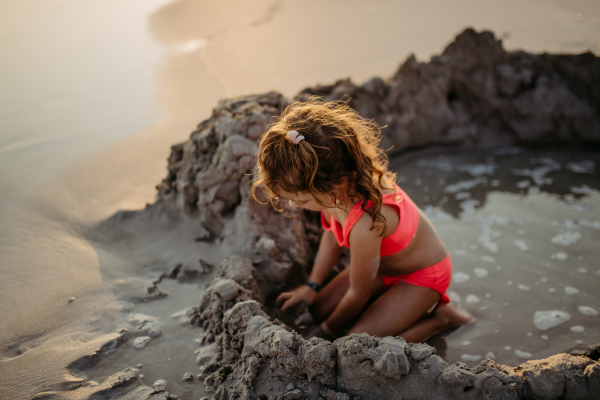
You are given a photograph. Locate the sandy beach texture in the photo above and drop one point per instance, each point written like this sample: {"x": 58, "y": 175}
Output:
{"x": 114, "y": 309}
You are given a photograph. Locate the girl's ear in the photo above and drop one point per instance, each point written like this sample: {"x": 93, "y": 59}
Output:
{"x": 341, "y": 189}
{"x": 342, "y": 186}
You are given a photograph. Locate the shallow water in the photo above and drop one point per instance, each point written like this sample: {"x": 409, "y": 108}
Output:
{"x": 80, "y": 78}
{"x": 505, "y": 215}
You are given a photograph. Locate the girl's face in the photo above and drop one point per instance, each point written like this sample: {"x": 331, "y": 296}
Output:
{"x": 305, "y": 200}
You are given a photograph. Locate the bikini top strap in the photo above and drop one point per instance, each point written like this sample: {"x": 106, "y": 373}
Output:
{"x": 394, "y": 198}
{"x": 353, "y": 216}
{"x": 356, "y": 212}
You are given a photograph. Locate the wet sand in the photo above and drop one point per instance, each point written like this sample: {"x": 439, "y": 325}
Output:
{"x": 50, "y": 259}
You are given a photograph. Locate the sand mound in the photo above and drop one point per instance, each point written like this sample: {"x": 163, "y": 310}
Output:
{"x": 476, "y": 92}
{"x": 257, "y": 358}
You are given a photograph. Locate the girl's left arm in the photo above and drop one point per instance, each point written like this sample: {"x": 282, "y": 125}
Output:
{"x": 365, "y": 247}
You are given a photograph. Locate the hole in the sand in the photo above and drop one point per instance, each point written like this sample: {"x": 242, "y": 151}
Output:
{"x": 469, "y": 388}
{"x": 452, "y": 96}
{"x": 298, "y": 318}
{"x": 174, "y": 272}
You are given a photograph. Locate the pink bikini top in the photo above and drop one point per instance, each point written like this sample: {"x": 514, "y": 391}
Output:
{"x": 398, "y": 240}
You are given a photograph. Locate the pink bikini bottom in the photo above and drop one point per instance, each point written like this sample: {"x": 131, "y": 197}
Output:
{"x": 436, "y": 277}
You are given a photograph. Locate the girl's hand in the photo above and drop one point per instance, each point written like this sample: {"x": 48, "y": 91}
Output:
{"x": 302, "y": 297}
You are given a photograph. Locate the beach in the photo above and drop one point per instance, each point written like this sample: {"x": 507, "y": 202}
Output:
{"x": 71, "y": 282}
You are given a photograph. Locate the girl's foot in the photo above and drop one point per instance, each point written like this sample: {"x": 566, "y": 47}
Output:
{"x": 449, "y": 317}
{"x": 444, "y": 317}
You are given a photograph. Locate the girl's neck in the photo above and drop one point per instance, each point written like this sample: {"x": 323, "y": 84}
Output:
{"x": 351, "y": 197}
{"x": 348, "y": 201}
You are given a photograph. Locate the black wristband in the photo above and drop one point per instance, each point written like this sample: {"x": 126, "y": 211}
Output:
{"x": 314, "y": 286}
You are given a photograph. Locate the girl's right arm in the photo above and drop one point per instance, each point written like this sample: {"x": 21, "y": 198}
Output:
{"x": 327, "y": 256}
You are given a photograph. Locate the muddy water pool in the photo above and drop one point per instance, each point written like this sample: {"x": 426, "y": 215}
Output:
{"x": 522, "y": 227}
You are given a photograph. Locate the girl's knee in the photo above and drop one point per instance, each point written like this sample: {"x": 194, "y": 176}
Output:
{"x": 315, "y": 312}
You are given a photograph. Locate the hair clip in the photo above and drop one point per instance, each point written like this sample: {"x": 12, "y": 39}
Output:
{"x": 295, "y": 136}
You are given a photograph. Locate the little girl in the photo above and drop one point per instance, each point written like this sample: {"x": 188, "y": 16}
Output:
{"x": 323, "y": 156}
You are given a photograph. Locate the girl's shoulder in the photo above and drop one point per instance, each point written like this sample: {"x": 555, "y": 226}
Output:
{"x": 388, "y": 212}
{"x": 361, "y": 230}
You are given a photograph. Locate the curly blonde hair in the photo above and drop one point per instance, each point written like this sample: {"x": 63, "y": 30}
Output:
{"x": 339, "y": 146}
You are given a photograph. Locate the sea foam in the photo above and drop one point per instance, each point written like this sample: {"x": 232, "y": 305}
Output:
{"x": 481, "y": 272}
{"x": 589, "y": 311}
{"x": 544, "y": 320}
{"x": 460, "y": 277}
{"x": 523, "y": 354}
{"x": 570, "y": 290}
{"x": 560, "y": 256}
{"x": 521, "y": 245}
{"x": 469, "y": 357}
{"x": 566, "y": 239}
{"x": 577, "y": 329}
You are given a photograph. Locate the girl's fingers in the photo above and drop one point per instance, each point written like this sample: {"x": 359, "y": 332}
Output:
{"x": 282, "y": 297}
{"x": 289, "y": 303}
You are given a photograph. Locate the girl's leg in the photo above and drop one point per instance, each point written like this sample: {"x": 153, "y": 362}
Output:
{"x": 399, "y": 312}
{"x": 398, "y": 309}
{"x": 330, "y": 296}
{"x": 444, "y": 317}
